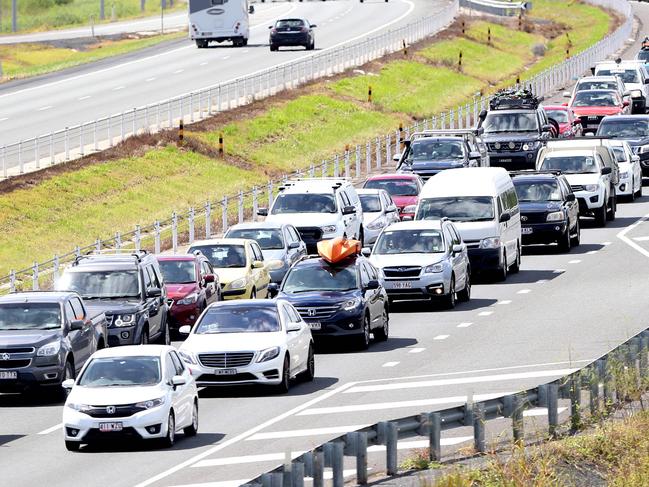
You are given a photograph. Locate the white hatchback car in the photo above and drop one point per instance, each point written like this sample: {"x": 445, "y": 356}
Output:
{"x": 379, "y": 211}
{"x": 630, "y": 184}
{"x": 137, "y": 391}
{"x": 249, "y": 342}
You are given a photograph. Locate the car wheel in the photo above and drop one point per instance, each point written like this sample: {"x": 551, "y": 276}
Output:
{"x": 309, "y": 374}
{"x": 192, "y": 429}
{"x": 165, "y": 336}
{"x": 610, "y": 216}
{"x": 72, "y": 445}
{"x": 273, "y": 47}
{"x": 382, "y": 333}
{"x": 169, "y": 440}
{"x": 600, "y": 216}
{"x": 364, "y": 339}
{"x": 449, "y": 300}
{"x": 361, "y": 236}
{"x": 465, "y": 294}
{"x": 565, "y": 241}
{"x": 284, "y": 386}
{"x": 632, "y": 196}
{"x": 144, "y": 338}
{"x": 516, "y": 266}
{"x": 501, "y": 274}
{"x": 68, "y": 373}
{"x": 639, "y": 192}
{"x": 576, "y": 240}
{"x": 253, "y": 293}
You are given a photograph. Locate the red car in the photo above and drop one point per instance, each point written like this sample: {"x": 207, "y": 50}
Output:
{"x": 403, "y": 188}
{"x": 569, "y": 124}
{"x": 593, "y": 105}
{"x": 191, "y": 285}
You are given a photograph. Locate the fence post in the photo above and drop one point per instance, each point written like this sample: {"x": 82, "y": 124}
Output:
{"x": 255, "y": 203}
{"x": 542, "y": 400}
{"x": 35, "y": 276}
{"x": 434, "y": 437}
{"x": 174, "y": 232}
{"x": 368, "y": 158}
{"x": 224, "y": 214}
{"x": 318, "y": 469}
{"x": 358, "y": 161}
{"x": 55, "y": 267}
{"x": 208, "y": 220}
{"x": 388, "y": 150}
{"x": 118, "y": 240}
{"x": 156, "y": 230}
{"x": 190, "y": 224}
{"x": 478, "y": 428}
{"x": 594, "y": 391}
{"x": 98, "y": 245}
{"x": 518, "y": 424}
{"x": 391, "y": 443}
{"x": 270, "y": 194}
{"x": 66, "y": 140}
{"x": 337, "y": 464}
{"x": 138, "y": 237}
{"x": 240, "y": 206}
{"x": 553, "y": 408}
{"x": 575, "y": 401}
{"x": 346, "y": 161}
{"x": 12, "y": 281}
{"x": 361, "y": 458}
{"x": 336, "y": 166}
{"x": 378, "y": 153}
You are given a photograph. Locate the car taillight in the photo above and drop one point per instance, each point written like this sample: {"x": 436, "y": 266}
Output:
{"x": 304, "y": 29}
{"x": 273, "y": 30}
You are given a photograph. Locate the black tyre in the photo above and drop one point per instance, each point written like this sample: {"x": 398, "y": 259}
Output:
{"x": 273, "y": 47}
{"x": 639, "y": 192}
{"x": 68, "y": 373}
{"x": 165, "y": 335}
{"x": 363, "y": 341}
{"x": 610, "y": 216}
{"x": 309, "y": 374}
{"x": 253, "y": 293}
{"x": 72, "y": 445}
{"x": 169, "y": 440}
{"x": 633, "y": 192}
{"x": 284, "y": 386}
{"x": 576, "y": 240}
{"x": 144, "y": 337}
{"x": 565, "y": 241}
{"x": 192, "y": 429}
{"x": 449, "y": 300}
{"x": 600, "y": 216}
{"x": 516, "y": 266}
{"x": 381, "y": 334}
{"x": 501, "y": 274}
{"x": 465, "y": 294}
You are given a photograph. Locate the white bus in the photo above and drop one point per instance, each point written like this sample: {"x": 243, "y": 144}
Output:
{"x": 219, "y": 20}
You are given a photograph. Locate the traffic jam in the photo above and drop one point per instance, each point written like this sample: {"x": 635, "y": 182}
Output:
{"x": 327, "y": 264}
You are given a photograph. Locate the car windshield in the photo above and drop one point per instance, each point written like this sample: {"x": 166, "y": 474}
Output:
{"x": 627, "y": 75}
{"x": 178, "y": 271}
{"x": 222, "y": 255}
{"x": 304, "y": 203}
{"x": 560, "y": 116}
{"x": 238, "y": 319}
{"x": 570, "y": 164}
{"x": 624, "y": 129}
{"x": 121, "y": 372}
{"x": 435, "y": 150}
{"x": 284, "y": 23}
{"x": 370, "y": 202}
{"x": 324, "y": 277}
{"x": 30, "y": 316}
{"x": 409, "y": 242}
{"x": 643, "y": 55}
{"x": 394, "y": 187}
{"x": 497, "y": 121}
{"x": 620, "y": 154}
{"x": 457, "y": 208}
{"x": 594, "y": 99}
{"x": 533, "y": 191}
{"x": 267, "y": 238}
{"x": 101, "y": 284}
{"x": 597, "y": 85}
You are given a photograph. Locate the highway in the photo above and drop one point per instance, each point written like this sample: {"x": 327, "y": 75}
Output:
{"x": 38, "y": 106}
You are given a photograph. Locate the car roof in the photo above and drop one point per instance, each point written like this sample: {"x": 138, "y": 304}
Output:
{"x": 255, "y": 225}
{"x": 379, "y": 177}
{"x": 468, "y": 181}
{"x": 352, "y": 260}
{"x": 221, "y": 241}
{"x": 569, "y": 151}
{"x": 604, "y": 77}
{"x": 626, "y": 117}
{"x": 133, "y": 351}
{"x": 249, "y": 303}
{"x": 171, "y": 257}
{"x": 38, "y": 297}
{"x": 535, "y": 177}
{"x": 417, "y": 225}
{"x": 316, "y": 186}
{"x": 513, "y": 110}
{"x": 375, "y": 191}
{"x": 599, "y": 90}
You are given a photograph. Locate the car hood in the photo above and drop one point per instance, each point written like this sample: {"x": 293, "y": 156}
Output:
{"x": 180, "y": 290}
{"x": 397, "y": 260}
{"x": 539, "y": 207}
{"x": 511, "y": 137}
{"x": 320, "y": 298}
{"x": 28, "y": 338}
{"x": 582, "y": 111}
{"x": 112, "y": 306}
{"x": 232, "y": 342}
{"x": 227, "y": 275}
{"x": 403, "y": 201}
{"x": 477, "y": 230}
{"x": 582, "y": 179}
{"x": 437, "y": 165}
{"x": 114, "y": 396}
{"x": 305, "y": 219}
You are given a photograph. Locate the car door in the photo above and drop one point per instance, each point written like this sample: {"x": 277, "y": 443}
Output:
{"x": 460, "y": 259}
{"x": 177, "y": 393}
{"x": 292, "y": 246}
{"x": 373, "y": 297}
{"x": 261, "y": 277}
{"x": 348, "y": 220}
{"x": 573, "y": 206}
{"x": 292, "y": 338}
{"x": 514, "y": 225}
{"x": 153, "y": 304}
{"x": 210, "y": 287}
{"x": 391, "y": 210}
{"x": 305, "y": 334}
{"x": 186, "y": 391}
{"x": 87, "y": 332}
{"x": 79, "y": 341}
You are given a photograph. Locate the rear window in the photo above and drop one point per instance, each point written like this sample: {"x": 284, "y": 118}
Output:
{"x": 282, "y": 24}
{"x": 627, "y": 75}
{"x": 394, "y": 187}
{"x": 370, "y": 203}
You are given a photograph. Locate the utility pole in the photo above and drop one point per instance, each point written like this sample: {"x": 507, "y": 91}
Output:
{"x": 14, "y": 16}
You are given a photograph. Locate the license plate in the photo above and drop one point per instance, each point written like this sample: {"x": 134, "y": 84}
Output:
{"x": 8, "y": 374}
{"x": 108, "y": 427}
{"x": 505, "y": 160}
{"x": 526, "y": 230}
{"x": 402, "y": 285}
{"x": 225, "y": 372}
{"x": 592, "y": 117}
{"x": 315, "y": 325}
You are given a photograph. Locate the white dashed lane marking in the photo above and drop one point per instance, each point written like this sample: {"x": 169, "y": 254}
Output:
{"x": 524, "y": 291}
{"x": 504, "y": 301}
{"x": 485, "y": 313}
{"x": 575, "y": 261}
{"x": 464, "y": 325}
{"x": 45, "y": 108}
{"x": 441, "y": 337}
{"x": 84, "y": 98}
{"x": 416, "y": 350}
{"x": 390, "y": 364}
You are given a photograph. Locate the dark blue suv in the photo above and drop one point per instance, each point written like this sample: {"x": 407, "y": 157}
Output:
{"x": 344, "y": 299}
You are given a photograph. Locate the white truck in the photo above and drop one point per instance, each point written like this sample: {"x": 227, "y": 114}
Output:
{"x": 219, "y": 21}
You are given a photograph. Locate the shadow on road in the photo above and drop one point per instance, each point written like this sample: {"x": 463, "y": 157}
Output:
{"x": 297, "y": 389}
{"x": 554, "y": 249}
{"x": 9, "y": 438}
{"x": 182, "y": 443}
{"x": 31, "y": 399}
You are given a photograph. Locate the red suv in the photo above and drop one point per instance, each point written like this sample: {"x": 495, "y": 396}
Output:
{"x": 191, "y": 285}
{"x": 403, "y": 188}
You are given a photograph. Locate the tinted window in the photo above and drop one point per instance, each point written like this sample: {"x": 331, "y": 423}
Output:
{"x": 570, "y": 164}
{"x": 308, "y": 278}
{"x": 178, "y": 364}
{"x": 457, "y": 208}
{"x": 597, "y": 85}
{"x": 560, "y": 116}
{"x": 620, "y": 154}
{"x": 31, "y": 316}
{"x": 239, "y": 319}
{"x": 304, "y": 203}
{"x": 627, "y": 75}
{"x": 79, "y": 314}
{"x": 624, "y": 129}
{"x": 594, "y": 99}
{"x": 294, "y": 235}
{"x": 435, "y": 150}
{"x": 409, "y": 242}
{"x": 222, "y": 256}
{"x": 394, "y": 187}
{"x": 267, "y": 238}
{"x": 101, "y": 284}
{"x": 121, "y": 371}
{"x": 289, "y": 23}
{"x": 498, "y": 121}
{"x": 256, "y": 251}
{"x": 178, "y": 271}
{"x": 370, "y": 202}
{"x": 530, "y": 191}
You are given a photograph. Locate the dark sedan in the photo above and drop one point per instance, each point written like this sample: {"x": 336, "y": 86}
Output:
{"x": 292, "y": 32}
{"x": 632, "y": 128}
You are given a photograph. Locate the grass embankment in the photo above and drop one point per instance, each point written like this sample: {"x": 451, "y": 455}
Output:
{"x": 25, "y": 60}
{"x": 66, "y": 207}
{"x": 41, "y": 15}
{"x": 615, "y": 454}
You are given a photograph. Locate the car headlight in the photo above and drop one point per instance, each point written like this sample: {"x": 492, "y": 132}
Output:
{"x": 82, "y": 408}
{"x": 377, "y": 224}
{"x": 555, "y": 216}
{"x": 531, "y": 145}
{"x": 268, "y": 354}
{"x": 490, "y": 243}
{"x": 188, "y": 357}
{"x": 189, "y": 299}
{"x": 434, "y": 268}
{"x": 329, "y": 228}
{"x": 644, "y": 148}
{"x": 238, "y": 283}
{"x": 409, "y": 209}
{"x": 351, "y": 305}
{"x": 591, "y": 187}
{"x": 49, "y": 349}
{"x": 124, "y": 320}
{"x": 150, "y": 404}
{"x": 624, "y": 175}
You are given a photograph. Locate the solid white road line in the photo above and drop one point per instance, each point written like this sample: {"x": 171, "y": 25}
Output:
{"x": 117, "y": 88}
{"x": 622, "y": 236}
{"x": 203, "y": 63}
{"x": 84, "y": 98}
{"x": 641, "y": 239}
{"x": 390, "y": 364}
{"x": 399, "y": 404}
{"x": 606, "y": 243}
{"x": 524, "y": 291}
{"x": 45, "y": 108}
{"x": 464, "y": 325}
{"x": 416, "y": 350}
{"x": 541, "y": 281}
{"x": 3, "y": 119}
{"x": 178, "y": 71}
{"x": 485, "y": 313}
{"x": 540, "y": 412}
{"x": 223, "y": 483}
{"x": 461, "y": 380}
{"x": 51, "y": 430}
{"x": 441, "y": 337}
{"x": 504, "y": 301}
{"x": 148, "y": 80}
{"x": 273, "y": 435}
{"x": 591, "y": 252}
{"x": 575, "y": 261}
{"x": 558, "y": 271}
{"x": 268, "y": 457}
{"x": 411, "y": 445}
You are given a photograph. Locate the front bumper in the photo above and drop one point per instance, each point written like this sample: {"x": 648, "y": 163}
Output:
{"x": 342, "y": 324}
{"x": 47, "y": 375}
{"x": 484, "y": 260}
{"x": 589, "y": 201}
{"x": 268, "y": 373}
{"x": 543, "y": 233}
{"x": 424, "y": 287}
{"x": 624, "y": 187}
{"x": 514, "y": 161}
{"x": 125, "y": 335}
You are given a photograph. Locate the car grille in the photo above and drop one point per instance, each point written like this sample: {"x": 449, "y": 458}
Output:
{"x": 316, "y": 312}
{"x": 246, "y": 376}
{"x": 505, "y": 146}
{"x": 122, "y": 411}
{"x": 225, "y": 360}
{"x": 577, "y": 187}
{"x": 472, "y": 244}
{"x": 401, "y": 272}
{"x": 17, "y": 350}
{"x": 14, "y": 364}
{"x": 533, "y": 217}
{"x": 311, "y": 234}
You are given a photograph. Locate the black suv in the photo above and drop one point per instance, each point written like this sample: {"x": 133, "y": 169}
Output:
{"x": 128, "y": 288}
{"x": 549, "y": 209}
{"x": 515, "y": 128}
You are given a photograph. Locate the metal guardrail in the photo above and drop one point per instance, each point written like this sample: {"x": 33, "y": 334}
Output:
{"x": 186, "y": 225}
{"x": 603, "y": 386}
{"x": 496, "y": 7}
{"x": 78, "y": 141}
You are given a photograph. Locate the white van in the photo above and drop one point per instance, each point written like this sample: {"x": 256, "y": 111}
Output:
{"x": 482, "y": 203}
{"x": 219, "y": 20}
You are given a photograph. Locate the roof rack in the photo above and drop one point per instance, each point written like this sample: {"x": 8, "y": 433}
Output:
{"x": 515, "y": 99}
{"x": 335, "y": 181}
{"x": 448, "y": 133}
{"x": 136, "y": 255}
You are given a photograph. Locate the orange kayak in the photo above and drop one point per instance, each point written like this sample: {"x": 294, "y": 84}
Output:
{"x": 338, "y": 249}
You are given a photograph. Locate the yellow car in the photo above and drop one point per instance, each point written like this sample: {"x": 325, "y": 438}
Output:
{"x": 239, "y": 263}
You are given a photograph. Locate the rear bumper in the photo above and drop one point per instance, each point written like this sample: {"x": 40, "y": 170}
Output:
{"x": 290, "y": 40}
{"x": 32, "y": 376}
{"x": 485, "y": 259}
{"x": 543, "y": 233}
{"x": 513, "y": 161}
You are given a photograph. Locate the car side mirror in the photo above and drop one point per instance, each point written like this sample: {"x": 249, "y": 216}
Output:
{"x": 67, "y": 384}
{"x": 257, "y": 264}
{"x": 251, "y": 10}
{"x": 185, "y": 330}
{"x": 625, "y": 103}
{"x": 457, "y": 249}
{"x": 474, "y": 155}
{"x": 571, "y": 197}
{"x": 606, "y": 170}
{"x": 209, "y": 277}
{"x": 546, "y": 128}
{"x": 391, "y": 209}
{"x": 397, "y": 157}
{"x": 646, "y": 81}
{"x": 482, "y": 115}
{"x": 505, "y": 217}
{"x": 294, "y": 245}
{"x": 576, "y": 121}
{"x": 178, "y": 380}
{"x": 373, "y": 284}
{"x": 566, "y": 94}
{"x": 76, "y": 325}
{"x": 262, "y": 212}
{"x": 273, "y": 289}
{"x": 154, "y": 292}
{"x": 314, "y": 26}
{"x": 349, "y": 210}
{"x": 366, "y": 251}
{"x": 270, "y": 26}
{"x": 565, "y": 104}
{"x": 291, "y": 327}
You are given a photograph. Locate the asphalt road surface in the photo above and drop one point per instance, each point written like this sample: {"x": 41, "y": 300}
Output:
{"x": 39, "y": 106}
